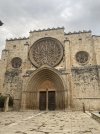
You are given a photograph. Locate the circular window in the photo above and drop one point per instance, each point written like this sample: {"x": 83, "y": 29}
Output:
{"x": 46, "y": 51}
{"x": 82, "y": 57}
{"x": 16, "y": 62}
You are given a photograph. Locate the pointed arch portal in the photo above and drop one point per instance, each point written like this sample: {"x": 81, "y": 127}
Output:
{"x": 45, "y": 90}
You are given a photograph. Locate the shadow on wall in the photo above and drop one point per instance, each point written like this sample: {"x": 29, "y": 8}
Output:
{"x": 3, "y": 100}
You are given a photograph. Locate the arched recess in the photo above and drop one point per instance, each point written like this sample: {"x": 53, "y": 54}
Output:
{"x": 37, "y": 80}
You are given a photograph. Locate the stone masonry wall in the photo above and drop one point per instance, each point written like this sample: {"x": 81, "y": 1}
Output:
{"x": 82, "y": 80}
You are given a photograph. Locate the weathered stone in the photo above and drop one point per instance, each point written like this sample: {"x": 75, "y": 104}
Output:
{"x": 51, "y": 61}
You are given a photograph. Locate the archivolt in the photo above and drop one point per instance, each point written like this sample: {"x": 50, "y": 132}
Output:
{"x": 37, "y": 79}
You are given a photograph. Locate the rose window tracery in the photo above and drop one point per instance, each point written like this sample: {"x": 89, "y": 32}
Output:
{"x": 46, "y": 51}
{"x": 82, "y": 57}
{"x": 16, "y": 62}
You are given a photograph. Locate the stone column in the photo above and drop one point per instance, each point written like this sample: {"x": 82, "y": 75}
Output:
{"x": 46, "y": 99}
{"x": 99, "y": 76}
{"x": 23, "y": 101}
{"x": 26, "y": 49}
{"x": 68, "y": 68}
{"x": 3, "y": 67}
{"x": 6, "y": 104}
{"x": 69, "y": 94}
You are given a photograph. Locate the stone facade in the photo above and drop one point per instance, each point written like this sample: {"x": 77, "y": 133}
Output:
{"x": 51, "y": 60}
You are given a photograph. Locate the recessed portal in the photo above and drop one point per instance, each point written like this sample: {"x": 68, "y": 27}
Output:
{"x": 45, "y": 91}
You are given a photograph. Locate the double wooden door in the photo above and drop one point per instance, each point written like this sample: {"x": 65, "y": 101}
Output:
{"x": 47, "y": 100}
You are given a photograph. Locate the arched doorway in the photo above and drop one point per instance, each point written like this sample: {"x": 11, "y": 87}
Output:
{"x": 47, "y": 95}
{"x": 45, "y": 90}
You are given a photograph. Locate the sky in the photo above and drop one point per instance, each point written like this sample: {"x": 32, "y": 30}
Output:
{"x": 21, "y": 16}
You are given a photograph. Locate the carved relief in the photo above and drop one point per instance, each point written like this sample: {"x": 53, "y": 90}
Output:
{"x": 82, "y": 57}
{"x": 46, "y": 51}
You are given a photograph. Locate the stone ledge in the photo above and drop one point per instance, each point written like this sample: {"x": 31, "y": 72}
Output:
{"x": 96, "y": 116}
{"x": 81, "y": 98}
{"x": 86, "y": 67}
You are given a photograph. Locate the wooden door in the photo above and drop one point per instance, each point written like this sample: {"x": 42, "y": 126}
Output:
{"x": 42, "y": 100}
{"x": 51, "y": 100}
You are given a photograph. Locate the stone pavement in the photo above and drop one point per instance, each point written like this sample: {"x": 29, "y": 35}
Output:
{"x": 57, "y": 122}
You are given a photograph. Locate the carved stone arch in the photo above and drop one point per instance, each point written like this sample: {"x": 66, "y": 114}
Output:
{"x": 30, "y": 94}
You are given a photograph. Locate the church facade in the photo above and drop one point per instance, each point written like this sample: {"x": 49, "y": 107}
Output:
{"x": 52, "y": 70}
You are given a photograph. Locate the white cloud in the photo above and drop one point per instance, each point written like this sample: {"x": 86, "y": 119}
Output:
{"x": 21, "y": 16}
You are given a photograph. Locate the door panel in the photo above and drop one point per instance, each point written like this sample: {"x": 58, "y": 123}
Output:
{"x": 51, "y": 100}
{"x": 42, "y": 100}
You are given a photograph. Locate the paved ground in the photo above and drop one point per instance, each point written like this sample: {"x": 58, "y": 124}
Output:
{"x": 47, "y": 123}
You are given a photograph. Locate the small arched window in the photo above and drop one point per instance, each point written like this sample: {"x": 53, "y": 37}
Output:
{"x": 82, "y": 57}
{"x": 16, "y": 62}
